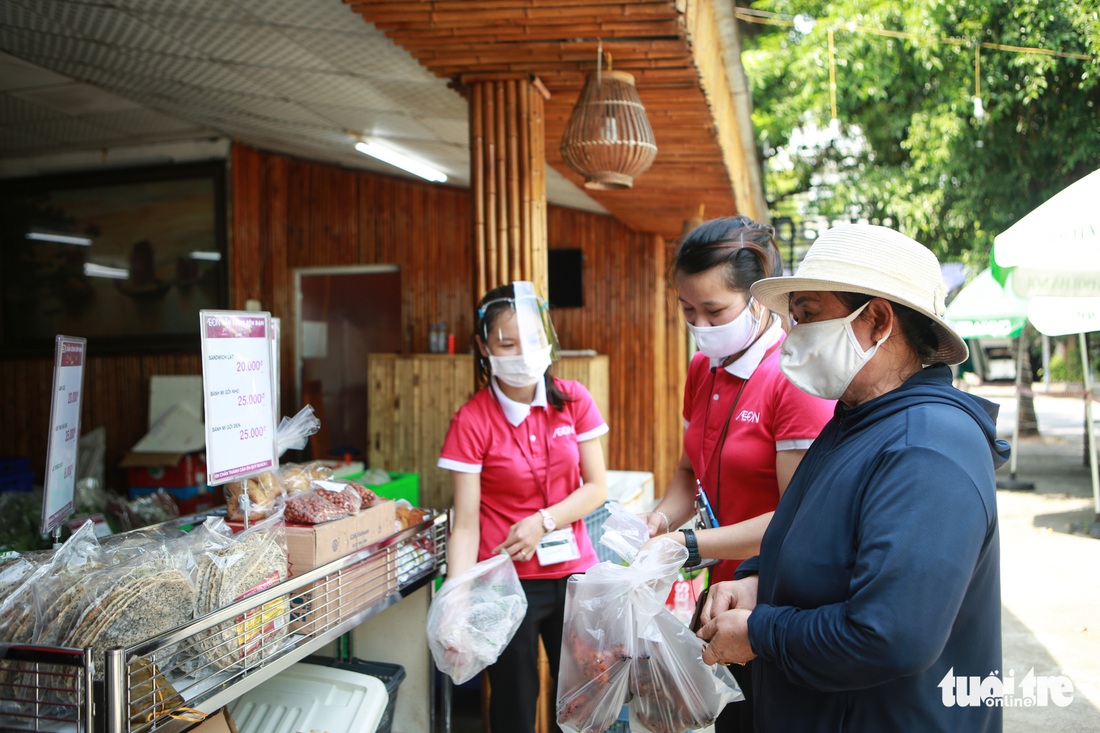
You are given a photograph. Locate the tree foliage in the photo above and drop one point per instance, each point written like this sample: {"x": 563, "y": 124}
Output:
{"x": 909, "y": 146}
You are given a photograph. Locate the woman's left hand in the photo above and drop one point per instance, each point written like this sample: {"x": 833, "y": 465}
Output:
{"x": 523, "y": 537}
{"x": 727, "y": 638}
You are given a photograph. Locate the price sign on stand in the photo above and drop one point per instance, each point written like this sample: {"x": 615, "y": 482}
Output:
{"x": 237, "y": 389}
{"x": 68, "y": 386}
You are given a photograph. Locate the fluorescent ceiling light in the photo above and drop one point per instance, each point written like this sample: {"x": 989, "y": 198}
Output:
{"x": 114, "y": 273}
{"x": 207, "y": 256}
{"x": 59, "y": 238}
{"x": 400, "y": 160}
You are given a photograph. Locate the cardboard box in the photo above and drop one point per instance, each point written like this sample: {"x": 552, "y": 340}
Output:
{"x": 310, "y": 546}
{"x": 325, "y": 603}
{"x": 171, "y": 453}
{"x": 219, "y": 722}
{"x": 166, "y": 470}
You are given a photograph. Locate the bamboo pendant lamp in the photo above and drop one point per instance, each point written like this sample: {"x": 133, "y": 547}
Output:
{"x": 608, "y": 139}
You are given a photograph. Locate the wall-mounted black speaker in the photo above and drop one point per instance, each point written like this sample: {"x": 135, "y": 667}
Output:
{"x": 566, "y": 278}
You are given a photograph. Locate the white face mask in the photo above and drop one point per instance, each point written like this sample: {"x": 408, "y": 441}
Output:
{"x": 823, "y": 358}
{"x": 718, "y": 342}
{"x": 523, "y": 370}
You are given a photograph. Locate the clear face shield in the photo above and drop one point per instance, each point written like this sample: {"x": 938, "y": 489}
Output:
{"x": 518, "y": 335}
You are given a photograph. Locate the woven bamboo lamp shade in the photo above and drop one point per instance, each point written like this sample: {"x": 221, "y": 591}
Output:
{"x": 608, "y": 139}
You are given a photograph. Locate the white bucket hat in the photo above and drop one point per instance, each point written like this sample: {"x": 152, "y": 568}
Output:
{"x": 874, "y": 260}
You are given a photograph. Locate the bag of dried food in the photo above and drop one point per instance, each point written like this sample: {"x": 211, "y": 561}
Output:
{"x": 620, "y": 644}
{"x": 343, "y": 495}
{"x": 314, "y": 507}
{"x": 474, "y": 616}
{"x": 231, "y": 569}
{"x": 296, "y": 477}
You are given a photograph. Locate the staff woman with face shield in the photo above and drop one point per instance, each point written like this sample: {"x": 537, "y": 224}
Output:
{"x": 877, "y": 585}
{"x": 747, "y": 427}
{"x": 526, "y": 462}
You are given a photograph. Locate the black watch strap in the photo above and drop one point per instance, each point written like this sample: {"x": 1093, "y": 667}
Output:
{"x": 692, "y": 546}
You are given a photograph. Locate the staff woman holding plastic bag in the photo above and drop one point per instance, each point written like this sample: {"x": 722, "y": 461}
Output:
{"x": 527, "y": 467}
{"x": 747, "y": 427}
{"x": 878, "y": 581}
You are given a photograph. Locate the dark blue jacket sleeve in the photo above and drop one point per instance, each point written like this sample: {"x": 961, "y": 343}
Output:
{"x": 921, "y": 527}
{"x": 750, "y": 566}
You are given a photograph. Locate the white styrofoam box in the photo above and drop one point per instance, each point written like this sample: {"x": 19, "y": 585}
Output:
{"x": 632, "y": 489}
{"x": 306, "y": 697}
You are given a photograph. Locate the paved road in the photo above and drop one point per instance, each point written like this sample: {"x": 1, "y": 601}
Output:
{"x": 1050, "y": 566}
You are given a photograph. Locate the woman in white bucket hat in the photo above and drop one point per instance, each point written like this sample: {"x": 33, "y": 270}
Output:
{"x": 876, "y": 594}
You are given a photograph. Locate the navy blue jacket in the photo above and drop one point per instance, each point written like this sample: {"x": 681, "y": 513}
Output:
{"x": 880, "y": 571}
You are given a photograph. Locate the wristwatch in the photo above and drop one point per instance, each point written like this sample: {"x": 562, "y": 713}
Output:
{"x": 548, "y": 523}
{"x": 692, "y": 547}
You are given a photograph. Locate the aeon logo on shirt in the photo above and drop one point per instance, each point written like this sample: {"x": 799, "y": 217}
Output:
{"x": 748, "y": 416}
{"x": 1030, "y": 691}
{"x": 564, "y": 430}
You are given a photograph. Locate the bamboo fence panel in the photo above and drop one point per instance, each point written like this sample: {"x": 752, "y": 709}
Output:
{"x": 593, "y": 372}
{"x": 410, "y": 402}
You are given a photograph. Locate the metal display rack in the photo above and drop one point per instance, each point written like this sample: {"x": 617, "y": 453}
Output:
{"x": 210, "y": 661}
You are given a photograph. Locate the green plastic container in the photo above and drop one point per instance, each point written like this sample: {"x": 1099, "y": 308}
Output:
{"x": 402, "y": 486}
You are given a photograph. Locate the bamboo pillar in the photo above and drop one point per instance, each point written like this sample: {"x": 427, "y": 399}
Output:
{"x": 508, "y": 179}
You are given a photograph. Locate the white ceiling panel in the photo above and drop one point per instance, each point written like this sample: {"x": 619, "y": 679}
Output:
{"x": 364, "y": 51}
{"x": 119, "y": 80}
{"x": 18, "y": 74}
{"x": 315, "y": 14}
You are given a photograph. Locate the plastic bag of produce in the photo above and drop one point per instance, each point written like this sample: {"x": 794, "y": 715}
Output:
{"x": 474, "y": 616}
{"x": 620, "y": 644}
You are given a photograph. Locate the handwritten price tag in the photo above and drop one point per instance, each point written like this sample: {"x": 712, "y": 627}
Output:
{"x": 237, "y": 386}
{"x": 68, "y": 384}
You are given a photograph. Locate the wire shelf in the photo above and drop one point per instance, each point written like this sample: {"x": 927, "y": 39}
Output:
{"x": 168, "y": 682}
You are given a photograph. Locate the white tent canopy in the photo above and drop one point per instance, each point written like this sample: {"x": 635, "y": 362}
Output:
{"x": 1054, "y": 256}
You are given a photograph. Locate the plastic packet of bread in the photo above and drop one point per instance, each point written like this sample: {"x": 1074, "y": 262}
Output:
{"x": 253, "y": 497}
{"x": 311, "y": 507}
{"x": 298, "y": 477}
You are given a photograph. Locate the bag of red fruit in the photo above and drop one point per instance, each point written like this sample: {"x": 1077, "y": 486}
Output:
{"x": 620, "y": 644}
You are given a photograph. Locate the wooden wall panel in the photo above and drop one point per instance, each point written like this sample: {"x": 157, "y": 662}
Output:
{"x": 625, "y": 316}
{"x": 116, "y": 396}
{"x": 287, "y": 213}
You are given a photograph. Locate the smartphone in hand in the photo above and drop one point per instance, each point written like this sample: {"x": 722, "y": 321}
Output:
{"x": 699, "y": 609}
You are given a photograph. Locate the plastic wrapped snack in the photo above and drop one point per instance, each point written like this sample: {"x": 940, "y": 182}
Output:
{"x": 340, "y": 494}
{"x": 253, "y": 497}
{"x": 474, "y": 616}
{"x": 311, "y": 507}
{"x": 367, "y": 498}
{"x": 231, "y": 569}
{"x": 296, "y": 477}
{"x": 620, "y": 644}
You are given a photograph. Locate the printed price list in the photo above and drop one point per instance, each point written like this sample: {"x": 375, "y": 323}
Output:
{"x": 64, "y": 437}
{"x": 237, "y": 384}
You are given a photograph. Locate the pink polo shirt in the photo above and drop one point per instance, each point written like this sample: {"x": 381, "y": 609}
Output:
{"x": 771, "y": 415}
{"x": 528, "y": 458}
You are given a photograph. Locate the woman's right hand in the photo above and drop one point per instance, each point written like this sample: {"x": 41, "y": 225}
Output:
{"x": 658, "y": 523}
{"x": 729, "y": 594}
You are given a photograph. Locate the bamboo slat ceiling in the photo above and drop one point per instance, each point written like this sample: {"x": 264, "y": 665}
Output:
{"x": 556, "y": 40}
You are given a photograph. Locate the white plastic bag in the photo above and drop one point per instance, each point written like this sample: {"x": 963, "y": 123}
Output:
{"x": 293, "y": 432}
{"x": 474, "y": 616}
{"x": 620, "y": 644}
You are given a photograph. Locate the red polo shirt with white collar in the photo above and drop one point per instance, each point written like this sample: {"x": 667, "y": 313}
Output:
{"x": 771, "y": 415}
{"x": 524, "y": 467}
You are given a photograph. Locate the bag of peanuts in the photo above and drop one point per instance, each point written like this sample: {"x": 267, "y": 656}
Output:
{"x": 316, "y": 506}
